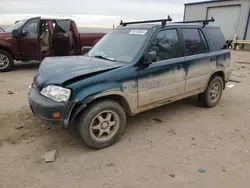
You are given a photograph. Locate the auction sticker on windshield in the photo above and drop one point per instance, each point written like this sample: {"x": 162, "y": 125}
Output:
{"x": 138, "y": 32}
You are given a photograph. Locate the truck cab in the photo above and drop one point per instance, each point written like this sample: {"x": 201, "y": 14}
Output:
{"x": 36, "y": 38}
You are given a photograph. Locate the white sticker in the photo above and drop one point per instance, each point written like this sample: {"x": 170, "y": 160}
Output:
{"x": 138, "y": 32}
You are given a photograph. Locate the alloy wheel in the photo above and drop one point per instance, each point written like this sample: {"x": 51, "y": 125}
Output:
{"x": 104, "y": 125}
{"x": 4, "y": 61}
{"x": 214, "y": 93}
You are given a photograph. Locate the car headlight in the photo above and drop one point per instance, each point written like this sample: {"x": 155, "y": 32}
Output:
{"x": 56, "y": 93}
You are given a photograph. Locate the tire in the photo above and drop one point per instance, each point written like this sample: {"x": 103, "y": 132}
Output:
{"x": 6, "y": 61}
{"x": 90, "y": 125}
{"x": 211, "y": 97}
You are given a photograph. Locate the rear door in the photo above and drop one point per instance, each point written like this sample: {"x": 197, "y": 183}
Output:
{"x": 28, "y": 40}
{"x": 60, "y": 38}
{"x": 200, "y": 61}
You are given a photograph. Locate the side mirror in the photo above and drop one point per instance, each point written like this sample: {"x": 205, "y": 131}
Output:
{"x": 85, "y": 49}
{"x": 150, "y": 57}
{"x": 15, "y": 33}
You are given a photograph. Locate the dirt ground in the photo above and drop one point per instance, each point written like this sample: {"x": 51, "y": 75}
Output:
{"x": 163, "y": 147}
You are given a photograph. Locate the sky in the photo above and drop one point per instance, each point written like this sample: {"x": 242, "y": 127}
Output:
{"x": 92, "y": 13}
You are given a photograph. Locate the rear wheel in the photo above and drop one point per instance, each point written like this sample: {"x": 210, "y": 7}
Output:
{"x": 101, "y": 124}
{"x": 6, "y": 61}
{"x": 213, "y": 93}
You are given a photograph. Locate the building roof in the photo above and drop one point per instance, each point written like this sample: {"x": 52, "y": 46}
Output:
{"x": 203, "y": 2}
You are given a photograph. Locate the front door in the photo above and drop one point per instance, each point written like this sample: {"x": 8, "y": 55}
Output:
{"x": 164, "y": 80}
{"x": 28, "y": 40}
{"x": 60, "y": 39}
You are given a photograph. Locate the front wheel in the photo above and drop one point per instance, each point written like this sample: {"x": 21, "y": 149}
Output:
{"x": 6, "y": 61}
{"x": 101, "y": 124}
{"x": 213, "y": 93}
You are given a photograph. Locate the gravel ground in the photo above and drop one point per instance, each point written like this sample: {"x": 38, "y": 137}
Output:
{"x": 164, "y": 147}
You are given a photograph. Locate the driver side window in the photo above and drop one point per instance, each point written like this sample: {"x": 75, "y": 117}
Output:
{"x": 30, "y": 28}
{"x": 166, "y": 45}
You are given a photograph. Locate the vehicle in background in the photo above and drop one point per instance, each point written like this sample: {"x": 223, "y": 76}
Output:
{"x": 36, "y": 38}
{"x": 133, "y": 68}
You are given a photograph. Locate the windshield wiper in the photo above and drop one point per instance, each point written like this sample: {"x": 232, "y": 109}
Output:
{"x": 104, "y": 57}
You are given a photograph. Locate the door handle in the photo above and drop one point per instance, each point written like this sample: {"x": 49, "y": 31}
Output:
{"x": 178, "y": 67}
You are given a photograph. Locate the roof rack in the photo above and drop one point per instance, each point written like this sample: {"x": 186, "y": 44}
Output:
{"x": 163, "y": 21}
{"x": 205, "y": 22}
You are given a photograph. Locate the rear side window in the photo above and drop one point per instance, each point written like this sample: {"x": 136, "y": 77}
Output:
{"x": 166, "y": 45}
{"x": 195, "y": 42}
{"x": 62, "y": 26}
{"x": 216, "y": 37}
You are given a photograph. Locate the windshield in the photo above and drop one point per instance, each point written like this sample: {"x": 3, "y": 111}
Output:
{"x": 120, "y": 45}
{"x": 17, "y": 25}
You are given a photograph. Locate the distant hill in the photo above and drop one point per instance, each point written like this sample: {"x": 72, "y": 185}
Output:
{"x": 80, "y": 29}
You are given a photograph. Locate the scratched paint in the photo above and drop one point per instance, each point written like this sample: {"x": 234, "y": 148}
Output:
{"x": 198, "y": 73}
{"x": 152, "y": 90}
{"x": 131, "y": 91}
{"x": 171, "y": 85}
{"x": 159, "y": 86}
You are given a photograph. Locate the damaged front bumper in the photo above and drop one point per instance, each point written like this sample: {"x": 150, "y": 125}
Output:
{"x": 57, "y": 113}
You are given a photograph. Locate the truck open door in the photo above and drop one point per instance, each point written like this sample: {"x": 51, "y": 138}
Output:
{"x": 28, "y": 40}
{"x": 60, "y": 38}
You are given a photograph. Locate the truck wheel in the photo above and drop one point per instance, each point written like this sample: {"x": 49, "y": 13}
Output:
{"x": 212, "y": 94}
{"x": 101, "y": 124}
{"x": 6, "y": 61}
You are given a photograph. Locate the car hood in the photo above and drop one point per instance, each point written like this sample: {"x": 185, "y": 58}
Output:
{"x": 57, "y": 70}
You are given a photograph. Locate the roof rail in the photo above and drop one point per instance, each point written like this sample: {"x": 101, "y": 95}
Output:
{"x": 205, "y": 22}
{"x": 163, "y": 21}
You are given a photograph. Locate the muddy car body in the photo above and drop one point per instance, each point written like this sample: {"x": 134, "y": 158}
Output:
{"x": 132, "y": 69}
{"x": 36, "y": 38}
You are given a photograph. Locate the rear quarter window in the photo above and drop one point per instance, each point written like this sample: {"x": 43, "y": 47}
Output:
{"x": 217, "y": 38}
{"x": 62, "y": 26}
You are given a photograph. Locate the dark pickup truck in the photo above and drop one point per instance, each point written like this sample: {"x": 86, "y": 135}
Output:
{"x": 36, "y": 38}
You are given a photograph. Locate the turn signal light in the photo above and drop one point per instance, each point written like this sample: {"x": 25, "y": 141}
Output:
{"x": 56, "y": 115}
